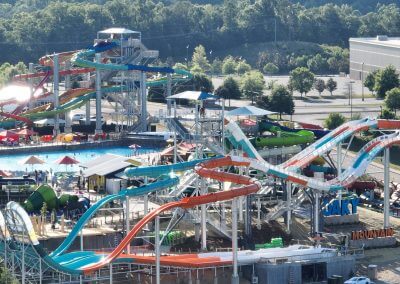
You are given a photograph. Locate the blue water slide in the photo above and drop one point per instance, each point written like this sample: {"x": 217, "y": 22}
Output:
{"x": 155, "y": 171}
{"x": 169, "y": 182}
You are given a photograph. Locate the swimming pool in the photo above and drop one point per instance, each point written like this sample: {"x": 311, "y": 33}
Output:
{"x": 13, "y": 162}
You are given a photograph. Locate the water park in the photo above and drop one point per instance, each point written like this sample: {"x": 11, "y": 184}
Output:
{"x": 96, "y": 196}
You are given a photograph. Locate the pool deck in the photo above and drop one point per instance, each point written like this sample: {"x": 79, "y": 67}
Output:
{"x": 55, "y": 146}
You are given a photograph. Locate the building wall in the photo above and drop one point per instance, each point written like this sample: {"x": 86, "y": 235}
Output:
{"x": 373, "y": 55}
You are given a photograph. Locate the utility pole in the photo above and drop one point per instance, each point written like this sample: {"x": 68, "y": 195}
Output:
{"x": 362, "y": 81}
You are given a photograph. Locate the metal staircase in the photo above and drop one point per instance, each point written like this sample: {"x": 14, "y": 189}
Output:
{"x": 188, "y": 179}
{"x": 282, "y": 206}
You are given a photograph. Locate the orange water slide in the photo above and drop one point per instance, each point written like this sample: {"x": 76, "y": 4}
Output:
{"x": 206, "y": 169}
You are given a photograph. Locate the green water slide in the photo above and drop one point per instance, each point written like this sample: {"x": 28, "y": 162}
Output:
{"x": 283, "y": 138}
{"x": 43, "y": 194}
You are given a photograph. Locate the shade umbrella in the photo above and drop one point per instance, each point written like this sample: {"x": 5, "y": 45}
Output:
{"x": 135, "y": 146}
{"x": 5, "y": 174}
{"x": 249, "y": 111}
{"x": 32, "y": 160}
{"x": 194, "y": 96}
{"x": 66, "y": 160}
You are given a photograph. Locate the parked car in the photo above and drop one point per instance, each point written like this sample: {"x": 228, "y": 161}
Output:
{"x": 78, "y": 116}
{"x": 359, "y": 280}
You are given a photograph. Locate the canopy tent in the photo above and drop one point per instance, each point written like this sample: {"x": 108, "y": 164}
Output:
{"x": 26, "y": 132}
{"x": 249, "y": 111}
{"x": 48, "y": 121}
{"x": 194, "y": 96}
{"x": 9, "y": 135}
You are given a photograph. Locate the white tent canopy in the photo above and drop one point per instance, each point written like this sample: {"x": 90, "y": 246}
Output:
{"x": 249, "y": 111}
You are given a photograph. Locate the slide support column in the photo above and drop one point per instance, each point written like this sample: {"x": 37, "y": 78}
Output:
{"x": 98, "y": 97}
{"x": 157, "y": 248}
{"x": 289, "y": 205}
{"x": 56, "y": 89}
{"x": 68, "y": 122}
{"x": 203, "y": 217}
{"x": 235, "y": 276}
{"x": 386, "y": 192}
{"x": 143, "y": 92}
{"x": 339, "y": 168}
{"x": 316, "y": 210}
{"x": 127, "y": 213}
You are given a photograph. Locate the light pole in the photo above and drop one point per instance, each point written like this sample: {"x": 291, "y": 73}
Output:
{"x": 187, "y": 57}
{"x": 362, "y": 81}
{"x": 351, "y": 98}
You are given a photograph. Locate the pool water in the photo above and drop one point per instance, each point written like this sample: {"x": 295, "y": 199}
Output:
{"x": 13, "y": 162}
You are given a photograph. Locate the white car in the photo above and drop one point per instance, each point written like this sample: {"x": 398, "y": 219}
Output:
{"x": 359, "y": 280}
{"x": 78, "y": 116}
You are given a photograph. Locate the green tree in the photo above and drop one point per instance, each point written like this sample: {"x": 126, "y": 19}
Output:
{"x": 180, "y": 65}
{"x": 252, "y": 85}
{"x": 392, "y": 100}
{"x": 233, "y": 88}
{"x": 317, "y": 63}
{"x": 229, "y": 66}
{"x": 331, "y": 85}
{"x": 369, "y": 81}
{"x": 334, "y": 120}
{"x": 216, "y": 66}
{"x": 281, "y": 101}
{"x": 243, "y": 67}
{"x": 199, "y": 59}
{"x": 263, "y": 102}
{"x": 202, "y": 83}
{"x": 271, "y": 69}
{"x": 386, "y": 80}
{"x": 302, "y": 80}
{"x": 387, "y": 114}
{"x": 319, "y": 85}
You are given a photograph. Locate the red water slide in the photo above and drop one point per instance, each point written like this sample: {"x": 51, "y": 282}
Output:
{"x": 206, "y": 169}
{"x": 62, "y": 73}
{"x": 17, "y": 117}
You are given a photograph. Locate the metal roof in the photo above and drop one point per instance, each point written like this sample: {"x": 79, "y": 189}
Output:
{"x": 99, "y": 160}
{"x": 118, "y": 31}
{"x": 249, "y": 111}
{"x": 379, "y": 40}
{"x": 107, "y": 164}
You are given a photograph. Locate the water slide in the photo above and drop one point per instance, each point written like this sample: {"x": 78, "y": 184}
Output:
{"x": 88, "y": 262}
{"x": 318, "y": 132}
{"x": 283, "y": 138}
{"x": 79, "y": 58}
{"x": 321, "y": 146}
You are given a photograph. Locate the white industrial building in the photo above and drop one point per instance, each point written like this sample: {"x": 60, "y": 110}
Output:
{"x": 369, "y": 54}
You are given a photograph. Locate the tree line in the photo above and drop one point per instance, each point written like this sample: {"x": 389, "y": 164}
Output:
{"x": 31, "y": 28}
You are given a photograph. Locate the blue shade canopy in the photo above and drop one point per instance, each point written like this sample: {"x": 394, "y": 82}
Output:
{"x": 194, "y": 96}
{"x": 249, "y": 111}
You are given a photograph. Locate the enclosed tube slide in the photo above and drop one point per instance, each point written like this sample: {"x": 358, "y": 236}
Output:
{"x": 284, "y": 138}
{"x": 265, "y": 125}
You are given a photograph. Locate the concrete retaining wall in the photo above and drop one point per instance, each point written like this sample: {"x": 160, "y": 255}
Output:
{"x": 374, "y": 243}
{"x": 341, "y": 220}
